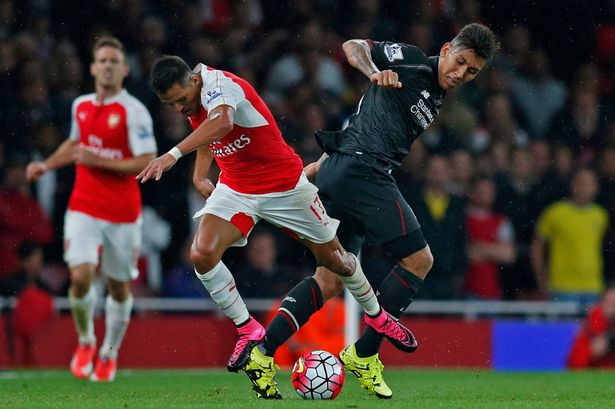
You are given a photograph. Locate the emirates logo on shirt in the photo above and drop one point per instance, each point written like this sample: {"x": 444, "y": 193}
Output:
{"x": 219, "y": 150}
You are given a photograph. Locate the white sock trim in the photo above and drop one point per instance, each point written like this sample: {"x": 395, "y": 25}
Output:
{"x": 361, "y": 289}
{"x": 220, "y": 284}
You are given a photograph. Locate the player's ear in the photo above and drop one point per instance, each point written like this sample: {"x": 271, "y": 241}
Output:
{"x": 446, "y": 48}
{"x": 196, "y": 79}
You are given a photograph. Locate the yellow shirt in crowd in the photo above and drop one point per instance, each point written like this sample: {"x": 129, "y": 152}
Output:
{"x": 575, "y": 237}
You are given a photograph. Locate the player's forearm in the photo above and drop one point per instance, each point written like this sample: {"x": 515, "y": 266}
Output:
{"x": 211, "y": 130}
{"x": 202, "y": 164}
{"x": 502, "y": 253}
{"x": 62, "y": 156}
{"x": 130, "y": 166}
{"x": 359, "y": 56}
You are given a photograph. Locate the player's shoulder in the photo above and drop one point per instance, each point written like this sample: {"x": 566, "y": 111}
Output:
{"x": 397, "y": 52}
{"x": 561, "y": 206}
{"x": 132, "y": 103}
{"x": 85, "y": 98}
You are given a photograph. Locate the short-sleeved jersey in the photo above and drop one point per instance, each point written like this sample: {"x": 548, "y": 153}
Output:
{"x": 575, "y": 237}
{"x": 119, "y": 128}
{"x": 253, "y": 158}
{"x": 387, "y": 121}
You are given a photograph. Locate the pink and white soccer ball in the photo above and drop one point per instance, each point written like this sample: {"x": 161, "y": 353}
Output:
{"x": 318, "y": 375}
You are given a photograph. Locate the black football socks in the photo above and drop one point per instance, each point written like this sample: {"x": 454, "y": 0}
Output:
{"x": 296, "y": 309}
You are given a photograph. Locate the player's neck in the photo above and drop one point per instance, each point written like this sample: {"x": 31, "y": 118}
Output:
{"x": 104, "y": 93}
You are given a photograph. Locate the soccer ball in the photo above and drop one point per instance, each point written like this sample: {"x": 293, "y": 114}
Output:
{"x": 318, "y": 375}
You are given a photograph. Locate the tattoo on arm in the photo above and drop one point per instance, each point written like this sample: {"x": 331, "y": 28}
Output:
{"x": 359, "y": 56}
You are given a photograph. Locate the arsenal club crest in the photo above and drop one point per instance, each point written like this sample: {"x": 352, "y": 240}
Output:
{"x": 113, "y": 121}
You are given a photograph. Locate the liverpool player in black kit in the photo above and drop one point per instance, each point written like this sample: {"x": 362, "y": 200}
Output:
{"x": 356, "y": 186}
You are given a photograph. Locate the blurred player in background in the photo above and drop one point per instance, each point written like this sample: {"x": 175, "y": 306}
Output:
{"x": 594, "y": 345}
{"x": 261, "y": 177}
{"x": 111, "y": 139}
{"x": 356, "y": 185}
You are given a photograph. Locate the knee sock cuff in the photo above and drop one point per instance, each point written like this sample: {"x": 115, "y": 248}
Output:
{"x": 87, "y": 301}
{"x": 120, "y": 310}
{"x": 208, "y": 275}
{"x": 410, "y": 279}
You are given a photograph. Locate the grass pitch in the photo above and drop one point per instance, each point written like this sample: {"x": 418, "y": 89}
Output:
{"x": 424, "y": 389}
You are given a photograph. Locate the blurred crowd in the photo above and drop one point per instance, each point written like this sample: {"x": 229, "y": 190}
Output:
{"x": 513, "y": 183}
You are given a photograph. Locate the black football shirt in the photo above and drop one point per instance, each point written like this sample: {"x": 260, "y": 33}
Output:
{"x": 387, "y": 121}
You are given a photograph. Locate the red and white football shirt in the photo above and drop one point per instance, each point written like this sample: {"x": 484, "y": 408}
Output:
{"x": 119, "y": 128}
{"x": 253, "y": 157}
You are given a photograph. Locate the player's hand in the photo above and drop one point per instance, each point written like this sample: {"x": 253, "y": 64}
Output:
{"x": 82, "y": 156}
{"x": 599, "y": 346}
{"x": 35, "y": 170}
{"x": 156, "y": 167}
{"x": 311, "y": 170}
{"x": 204, "y": 187}
{"x": 386, "y": 79}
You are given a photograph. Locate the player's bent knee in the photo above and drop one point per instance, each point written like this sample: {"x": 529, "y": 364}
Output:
{"x": 419, "y": 262}
{"x": 119, "y": 290}
{"x": 204, "y": 258}
{"x": 80, "y": 279}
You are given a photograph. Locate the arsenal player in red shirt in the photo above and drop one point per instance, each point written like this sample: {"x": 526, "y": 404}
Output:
{"x": 111, "y": 140}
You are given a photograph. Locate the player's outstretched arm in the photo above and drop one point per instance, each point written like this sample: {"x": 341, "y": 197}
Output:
{"x": 359, "y": 56}
{"x": 61, "y": 157}
{"x": 130, "y": 166}
{"x": 218, "y": 123}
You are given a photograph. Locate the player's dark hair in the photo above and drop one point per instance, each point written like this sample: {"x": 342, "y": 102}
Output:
{"x": 108, "y": 42}
{"x": 167, "y": 71}
{"x": 478, "y": 38}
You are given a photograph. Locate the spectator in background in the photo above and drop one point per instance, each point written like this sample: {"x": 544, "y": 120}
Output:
{"x": 309, "y": 64}
{"x": 515, "y": 192}
{"x": 180, "y": 281}
{"x": 594, "y": 346}
{"x": 490, "y": 242}
{"x": 582, "y": 124}
{"x": 462, "y": 172}
{"x": 499, "y": 126}
{"x": 31, "y": 264}
{"x": 538, "y": 93}
{"x": 261, "y": 275}
{"x": 442, "y": 221}
{"x": 34, "y": 304}
{"x": 606, "y": 198}
{"x": 516, "y": 46}
{"x": 21, "y": 217}
{"x": 156, "y": 235}
{"x": 573, "y": 231}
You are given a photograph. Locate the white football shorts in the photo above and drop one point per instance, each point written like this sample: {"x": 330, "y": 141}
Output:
{"x": 114, "y": 247}
{"x": 299, "y": 211}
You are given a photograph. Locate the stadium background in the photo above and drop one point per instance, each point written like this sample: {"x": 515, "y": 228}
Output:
{"x": 515, "y": 124}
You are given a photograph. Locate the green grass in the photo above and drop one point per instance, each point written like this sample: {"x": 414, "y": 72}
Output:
{"x": 424, "y": 389}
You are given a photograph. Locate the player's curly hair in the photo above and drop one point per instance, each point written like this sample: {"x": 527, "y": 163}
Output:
{"x": 167, "y": 71}
{"x": 478, "y": 38}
